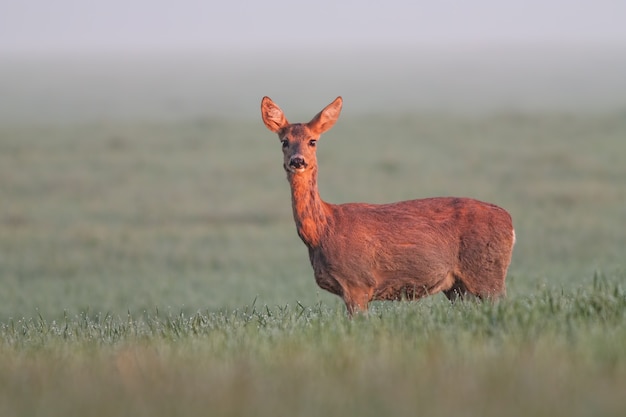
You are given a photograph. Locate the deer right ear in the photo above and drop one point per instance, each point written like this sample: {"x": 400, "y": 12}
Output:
{"x": 272, "y": 115}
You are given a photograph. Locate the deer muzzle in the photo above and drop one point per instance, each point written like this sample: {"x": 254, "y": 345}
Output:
{"x": 297, "y": 163}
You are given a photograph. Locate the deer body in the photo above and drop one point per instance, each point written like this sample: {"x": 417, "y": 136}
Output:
{"x": 409, "y": 249}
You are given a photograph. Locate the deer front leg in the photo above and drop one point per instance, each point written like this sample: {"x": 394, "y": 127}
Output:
{"x": 357, "y": 300}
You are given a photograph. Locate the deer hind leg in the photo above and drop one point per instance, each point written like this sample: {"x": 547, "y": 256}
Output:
{"x": 457, "y": 291}
{"x": 487, "y": 286}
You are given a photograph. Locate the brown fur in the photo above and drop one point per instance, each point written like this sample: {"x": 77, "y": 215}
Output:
{"x": 410, "y": 249}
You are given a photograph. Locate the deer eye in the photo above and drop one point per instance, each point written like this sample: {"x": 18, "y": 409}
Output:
{"x": 284, "y": 143}
{"x": 312, "y": 143}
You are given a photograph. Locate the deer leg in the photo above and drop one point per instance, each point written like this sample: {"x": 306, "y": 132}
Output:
{"x": 353, "y": 308}
{"x": 357, "y": 300}
{"x": 458, "y": 290}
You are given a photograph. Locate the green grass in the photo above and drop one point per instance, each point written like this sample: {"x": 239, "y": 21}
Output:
{"x": 552, "y": 354}
{"x": 154, "y": 269}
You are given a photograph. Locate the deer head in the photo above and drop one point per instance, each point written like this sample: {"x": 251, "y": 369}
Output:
{"x": 299, "y": 140}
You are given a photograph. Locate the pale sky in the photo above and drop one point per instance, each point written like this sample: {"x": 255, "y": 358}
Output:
{"x": 75, "y": 25}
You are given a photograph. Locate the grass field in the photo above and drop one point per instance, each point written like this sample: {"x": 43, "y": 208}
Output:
{"x": 153, "y": 268}
{"x": 548, "y": 354}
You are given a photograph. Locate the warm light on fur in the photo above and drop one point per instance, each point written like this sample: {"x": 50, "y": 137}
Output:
{"x": 408, "y": 249}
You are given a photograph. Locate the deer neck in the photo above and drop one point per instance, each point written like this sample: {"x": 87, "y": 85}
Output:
{"x": 310, "y": 212}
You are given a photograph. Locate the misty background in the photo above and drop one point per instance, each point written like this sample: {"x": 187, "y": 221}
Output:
{"x": 70, "y": 60}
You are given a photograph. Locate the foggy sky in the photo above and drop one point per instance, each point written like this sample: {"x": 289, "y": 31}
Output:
{"x": 76, "y": 25}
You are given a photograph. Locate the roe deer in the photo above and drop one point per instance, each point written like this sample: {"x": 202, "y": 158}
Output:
{"x": 364, "y": 252}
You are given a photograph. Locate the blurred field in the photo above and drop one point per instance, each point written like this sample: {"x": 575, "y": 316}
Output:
{"x": 118, "y": 217}
{"x": 148, "y": 252}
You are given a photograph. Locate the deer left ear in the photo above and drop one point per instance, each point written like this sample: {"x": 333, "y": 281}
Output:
{"x": 272, "y": 115}
{"x": 326, "y": 119}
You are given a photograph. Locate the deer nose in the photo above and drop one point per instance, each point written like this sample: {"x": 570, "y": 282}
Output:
{"x": 297, "y": 162}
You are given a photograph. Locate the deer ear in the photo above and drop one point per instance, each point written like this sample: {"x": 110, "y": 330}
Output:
{"x": 272, "y": 115}
{"x": 326, "y": 118}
